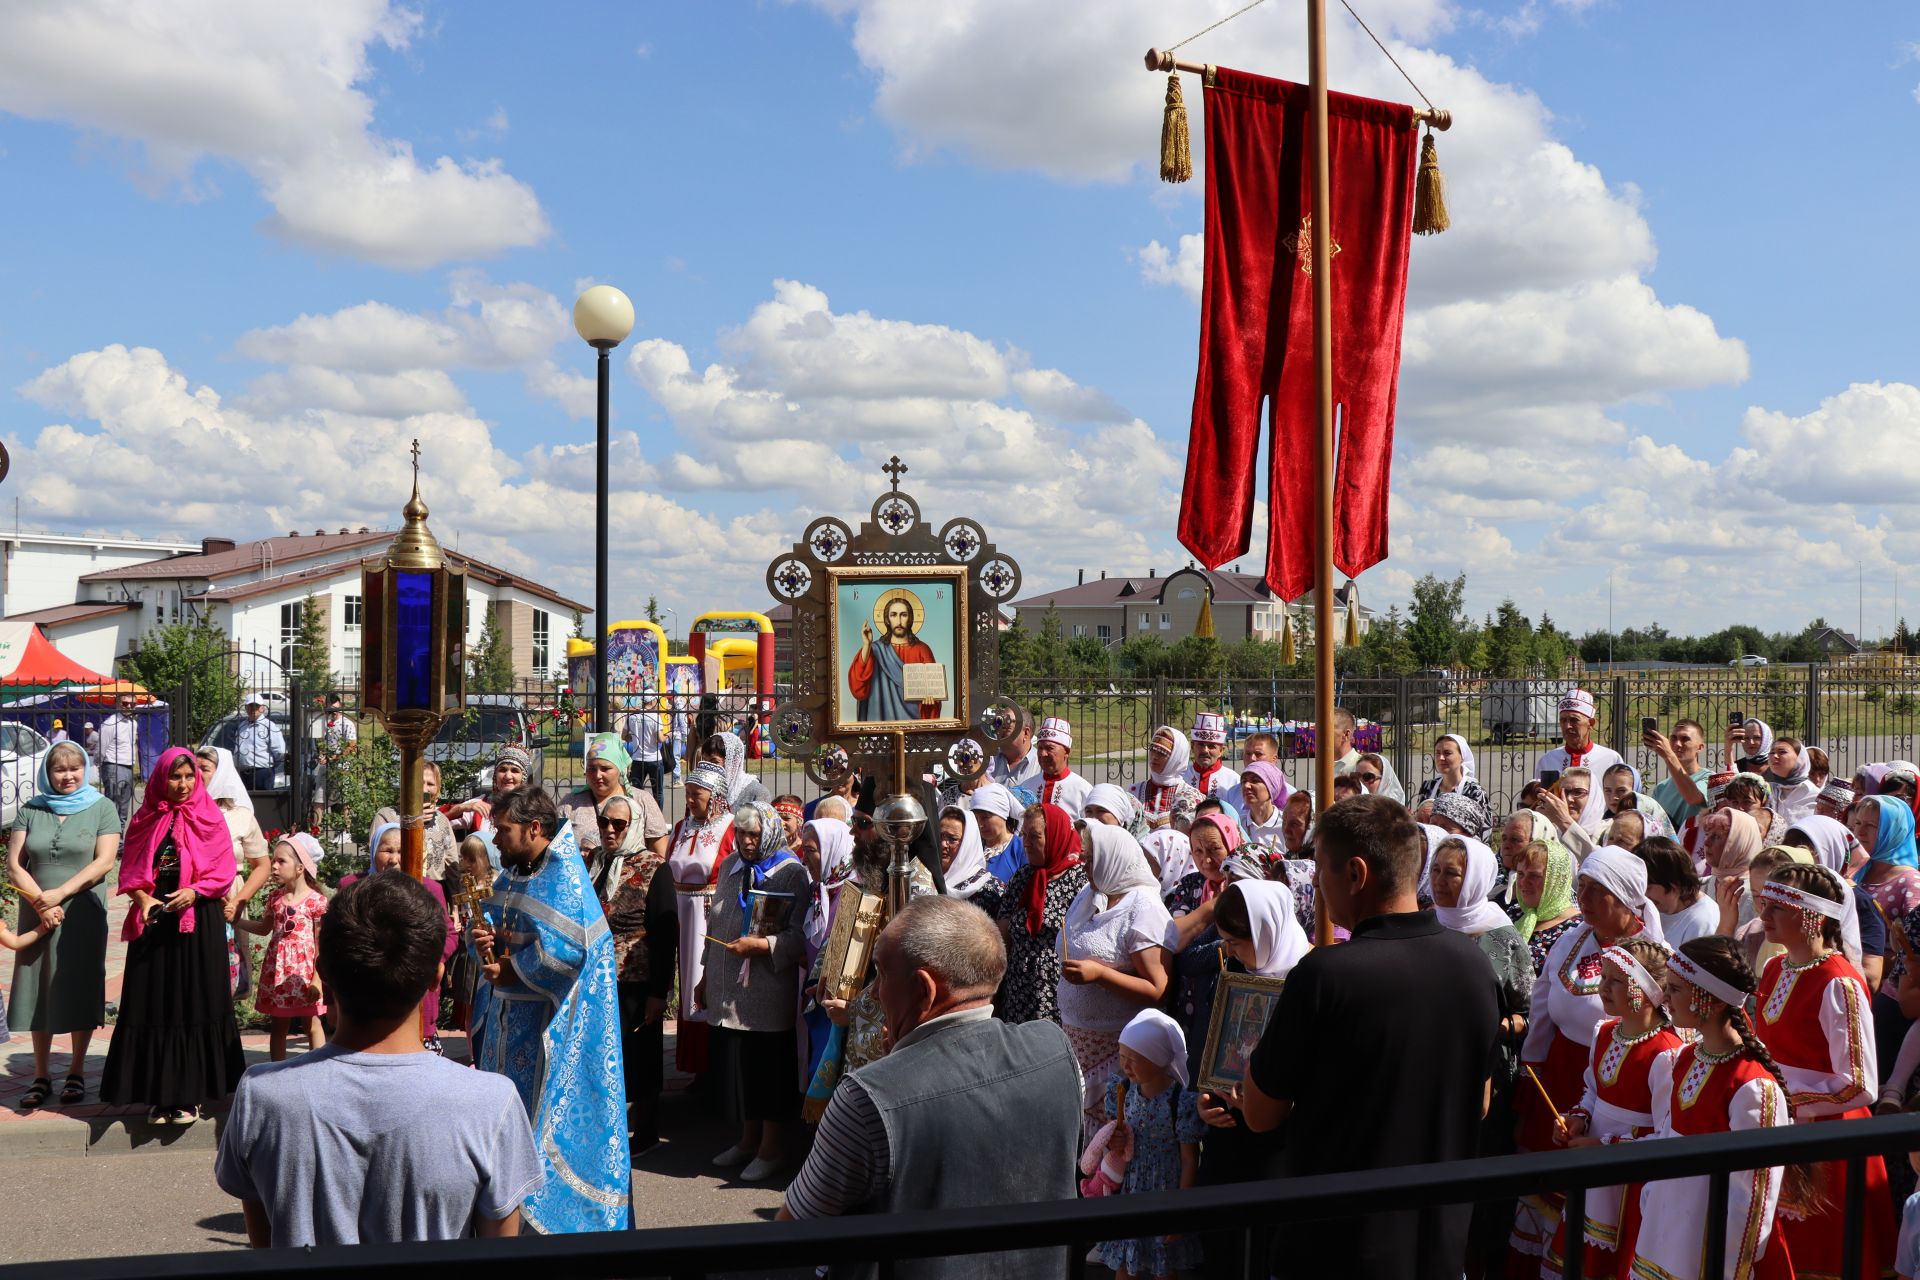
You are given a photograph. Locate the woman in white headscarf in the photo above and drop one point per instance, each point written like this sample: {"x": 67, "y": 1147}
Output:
{"x": 1168, "y": 756}
{"x": 963, "y": 861}
{"x": 1748, "y": 744}
{"x": 1115, "y": 807}
{"x": 1462, "y": 877}
{"x": 1261, "y": 934}
{"x": 998, "y": 812}
{"x": 727, "y": 751}
{"x": 1454, "y": 769}
{"x": 1116, "y": 960}
{"x": 1564, "y": 1008}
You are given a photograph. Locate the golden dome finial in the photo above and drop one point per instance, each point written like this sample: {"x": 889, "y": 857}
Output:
{"x": 415, "y": 547}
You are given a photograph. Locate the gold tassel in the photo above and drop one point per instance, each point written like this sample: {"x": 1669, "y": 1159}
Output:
{"x": 1176, "y": 152}
{"x": 1430, "y": 193}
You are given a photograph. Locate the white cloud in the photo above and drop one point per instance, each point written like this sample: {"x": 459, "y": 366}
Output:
{"x": 178, "y": 457}
{"x": 1184, "y": 269}
{"x": 796, "y": 341}
{"x": 1050, "y": 391}
{"x": 278, "y": 89}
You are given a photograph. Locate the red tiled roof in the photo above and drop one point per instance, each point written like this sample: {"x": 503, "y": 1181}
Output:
{"x": 62, "y": 613}
{"x": 478, "y": 568}
{"x": 246, "y": 557}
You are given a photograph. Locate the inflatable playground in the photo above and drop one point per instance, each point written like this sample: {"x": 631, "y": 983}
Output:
{"x": 728, "y": 668}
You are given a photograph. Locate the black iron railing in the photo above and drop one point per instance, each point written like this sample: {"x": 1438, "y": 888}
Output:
{"x": 1252, "y": 1210}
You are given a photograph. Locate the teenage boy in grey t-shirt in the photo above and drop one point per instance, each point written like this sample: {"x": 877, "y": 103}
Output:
{"x": 372, "y": 1138}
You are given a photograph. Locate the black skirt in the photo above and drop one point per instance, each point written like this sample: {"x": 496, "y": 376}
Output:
{"x": 175, "y": 1043}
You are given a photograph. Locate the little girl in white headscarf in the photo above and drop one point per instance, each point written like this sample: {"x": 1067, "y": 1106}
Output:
{"x": 1153, "y": 1143}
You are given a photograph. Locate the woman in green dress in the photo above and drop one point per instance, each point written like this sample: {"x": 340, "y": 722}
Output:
{"x": 62, "y": 846}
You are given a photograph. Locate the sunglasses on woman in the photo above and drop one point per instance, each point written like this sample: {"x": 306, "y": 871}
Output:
{"x": 1366, "y": 777}
{"x": 615, "y": 825}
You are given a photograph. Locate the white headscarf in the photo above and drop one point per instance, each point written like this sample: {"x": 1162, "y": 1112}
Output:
{"x": 1112, "y": 799}
{"x": 736, "y": 767}
{"x": 1833, "y": 844}
{"x": 1168, "y": 849}
{"x": 1158, "y": 1039}
{"x": 835, "y": 839}
{"x": 968, "y": 874}
{"x": 1625, "y": 877}
{"x": 1766, "y": 736}
{"x": 997, "y": 799}
{"x": 1474, "y": 914}
{"x": 1177, "y": 759}
{"x": 1116, "y": 864}
{"x": 1278, "y": 939}
{"x": 1468, "y": 769}
{"x": 226, "y": 783}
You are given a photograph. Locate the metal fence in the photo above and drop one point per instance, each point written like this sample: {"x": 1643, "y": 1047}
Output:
{"x": 1251, "y": 1215}
{"x": 1856, "y": 718}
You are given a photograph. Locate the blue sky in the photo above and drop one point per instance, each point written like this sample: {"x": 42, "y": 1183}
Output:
{"x": 1670, "y": 334}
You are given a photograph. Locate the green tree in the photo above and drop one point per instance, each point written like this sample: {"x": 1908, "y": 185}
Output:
{"x": 1437, "y": 621}
{"x": 1902, "y": 642}
{"x": 1385, "y": 648}
{"x": 1143, "y": 656}
{"x": 194, "y": 652}
{"x": 1551, "y": 648}
{"x": 312, "y": 657}
{"x": 1016, "y": 652}
{"x": 490, "y": 662}
{"x": 1509, "y": 643}
{"x": 653, "y": 609}
{"x": 1197, "y": 658}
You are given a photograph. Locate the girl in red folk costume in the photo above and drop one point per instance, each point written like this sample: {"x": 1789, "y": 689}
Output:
{"x": 1725, "y": 1082}
{"x": 1618, "y": 1103}
{"x": 1564, "y": 1011}
{"x": 699, "y": 843}
{"x": 1815, "y": 1020}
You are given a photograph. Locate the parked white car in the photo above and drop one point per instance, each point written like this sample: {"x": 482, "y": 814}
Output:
{"x": 21, "y": 751}
{"x": 1748, "y": 660}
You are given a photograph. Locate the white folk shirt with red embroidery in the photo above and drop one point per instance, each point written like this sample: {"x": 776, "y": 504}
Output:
{"x": 1673, "y": 1213}
{"x": 1816, "y": 1023}
{"x": 1069, "y": 791}
{"x": 1566, "y": 996}
{"x": 1218, "y": 781}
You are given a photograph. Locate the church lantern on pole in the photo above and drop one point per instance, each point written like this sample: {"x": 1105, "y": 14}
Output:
{"x": 413, "y": 657}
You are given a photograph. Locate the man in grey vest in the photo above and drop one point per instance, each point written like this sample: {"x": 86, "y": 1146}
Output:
{"x": 964, "y": 1110}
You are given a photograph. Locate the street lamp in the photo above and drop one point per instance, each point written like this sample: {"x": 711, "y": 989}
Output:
{"x": 603, "y": 317}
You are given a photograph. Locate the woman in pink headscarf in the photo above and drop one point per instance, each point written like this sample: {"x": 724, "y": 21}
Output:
{"x": 175, "y": 1045}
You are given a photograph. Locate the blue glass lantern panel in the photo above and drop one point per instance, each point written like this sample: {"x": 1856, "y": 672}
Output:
{"x": 413, "y": 642}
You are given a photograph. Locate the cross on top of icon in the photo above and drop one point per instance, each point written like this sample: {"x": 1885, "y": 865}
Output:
{"x": 895, "y": 468}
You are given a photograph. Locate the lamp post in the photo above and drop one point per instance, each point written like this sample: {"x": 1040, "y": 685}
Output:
{"x": 413, "y": 663}
{"x": 603, "y": 317}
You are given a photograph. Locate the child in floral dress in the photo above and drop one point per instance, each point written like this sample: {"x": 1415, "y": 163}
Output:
{"x": 1157, "y": 1142}
{"x": 289, "y": 981}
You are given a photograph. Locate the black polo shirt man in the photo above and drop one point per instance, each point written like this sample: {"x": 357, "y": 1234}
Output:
{"x": 1378, "y": 1053}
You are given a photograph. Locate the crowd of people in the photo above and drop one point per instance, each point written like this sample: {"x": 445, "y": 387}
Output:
{"x": 1613, "y": 961}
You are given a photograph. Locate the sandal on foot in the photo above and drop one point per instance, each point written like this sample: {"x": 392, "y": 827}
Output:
{"x": 74, "y": 1090}
{"x": 181, "y": 1117}
{"x": 37, "y": 1094}
{"x": 158, "y": 1116}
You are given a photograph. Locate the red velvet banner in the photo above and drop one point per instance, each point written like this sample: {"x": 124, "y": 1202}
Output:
{"x": 1256, "y": 323}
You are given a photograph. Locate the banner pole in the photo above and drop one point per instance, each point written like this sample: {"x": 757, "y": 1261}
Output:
{"x": 1320, "y": 237}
